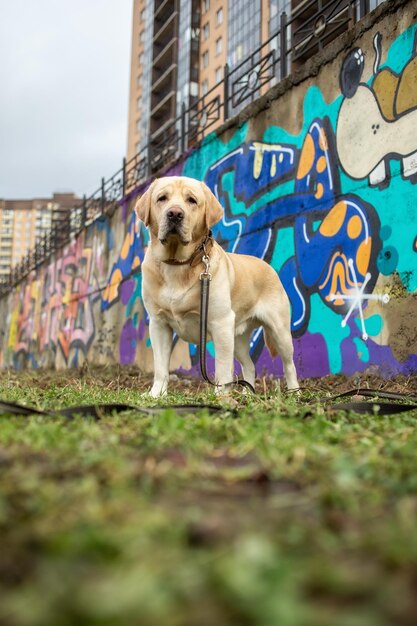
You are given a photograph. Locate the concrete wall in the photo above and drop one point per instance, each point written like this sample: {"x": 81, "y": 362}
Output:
{"x": 318, "y": 177}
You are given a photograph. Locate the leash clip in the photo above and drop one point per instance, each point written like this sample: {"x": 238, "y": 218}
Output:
{"x": 206, "y": 260}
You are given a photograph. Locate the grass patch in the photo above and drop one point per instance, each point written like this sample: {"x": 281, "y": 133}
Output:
{"x": 267, "y": 519}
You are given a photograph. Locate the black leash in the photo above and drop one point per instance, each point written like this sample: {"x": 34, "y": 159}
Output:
{"x": 205, "y": 278}
{"x": 98, "y": 411}
{"x": 375, "y": 407}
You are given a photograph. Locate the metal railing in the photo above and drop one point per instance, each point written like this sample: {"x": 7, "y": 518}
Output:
{"x": 312, "y": 25}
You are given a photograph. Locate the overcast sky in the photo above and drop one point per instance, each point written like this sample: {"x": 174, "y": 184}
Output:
{"x": 64, "y": 83}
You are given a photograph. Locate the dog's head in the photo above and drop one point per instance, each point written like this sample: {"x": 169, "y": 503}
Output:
{"x": 178, "y": 208}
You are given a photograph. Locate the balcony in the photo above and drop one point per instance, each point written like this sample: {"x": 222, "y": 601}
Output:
{"x": 163, "y": 12}
{"x": 160, "y": 77}
{"x": 164, "y": 56}
{"x": 163, "y": 9}
{"x": 164, "y": 109}
{"x": 167, "y": 31}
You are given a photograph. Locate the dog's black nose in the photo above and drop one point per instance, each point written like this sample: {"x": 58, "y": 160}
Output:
{"x": 175, "y": 214}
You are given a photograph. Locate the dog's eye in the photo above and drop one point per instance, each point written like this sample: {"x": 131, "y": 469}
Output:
{"x": 191, "y": 200}
{"x": 162, "y": 198}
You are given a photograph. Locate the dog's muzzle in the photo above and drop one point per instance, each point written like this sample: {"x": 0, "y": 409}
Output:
{"x": 175, "y": 215}
{"x": 173, "y": 224}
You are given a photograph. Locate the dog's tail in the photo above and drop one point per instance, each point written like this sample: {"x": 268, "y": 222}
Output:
{"x": 270, "y": 344}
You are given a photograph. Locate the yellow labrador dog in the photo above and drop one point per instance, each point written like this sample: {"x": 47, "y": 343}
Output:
{"x": 245, "y": 291}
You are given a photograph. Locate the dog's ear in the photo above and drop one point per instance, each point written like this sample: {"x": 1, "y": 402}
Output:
{"x": 143, "y": 206}
{"x": 214, "y": 210}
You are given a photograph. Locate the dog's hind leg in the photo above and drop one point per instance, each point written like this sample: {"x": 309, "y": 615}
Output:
{"x": 242, "y": 354}
{"x": 279, "y": 341}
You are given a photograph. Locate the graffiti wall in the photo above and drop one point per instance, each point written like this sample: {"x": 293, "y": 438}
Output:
{"x": 322, "y": 185}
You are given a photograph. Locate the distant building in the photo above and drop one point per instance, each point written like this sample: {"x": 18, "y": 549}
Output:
{"x": 24, "y": 222}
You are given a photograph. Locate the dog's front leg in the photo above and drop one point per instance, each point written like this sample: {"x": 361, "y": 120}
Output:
{"x": 223, "y": 334}
{"x": 161, "y": 339}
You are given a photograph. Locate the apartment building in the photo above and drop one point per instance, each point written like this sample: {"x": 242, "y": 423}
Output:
{"x": 24, "y": 222}
{"x": 181, "y": 48}
{"x": 164, "y": 67}
{"x": 179, "y": 52}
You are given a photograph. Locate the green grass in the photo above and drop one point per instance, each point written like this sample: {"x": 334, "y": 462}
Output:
{"x": 276, "y": 517}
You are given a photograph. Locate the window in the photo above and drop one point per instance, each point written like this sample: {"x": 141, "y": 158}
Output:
{"x": 204, "y": 87}
{"x": 374, "y": 3}
{"x": 206, "y": 31}
{"x": 142, "y": 36}
{"x": 219, "y": 74}
{"x": 219, "y": 45}
{"x": 206, "y": 5}
{"x": 219, "y": 17}
{"x": 139, "y": 103}
{"x": 205, "y": 59}
{"x": 143, "y": 15}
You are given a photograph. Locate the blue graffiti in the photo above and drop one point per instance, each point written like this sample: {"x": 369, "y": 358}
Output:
{"x": 128, "y": 263}
{"x": 336, "y": 236}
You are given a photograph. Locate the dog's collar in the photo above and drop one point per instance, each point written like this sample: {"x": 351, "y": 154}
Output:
{"x": 198, "y": 253}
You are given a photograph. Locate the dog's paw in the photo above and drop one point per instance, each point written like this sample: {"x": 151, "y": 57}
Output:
{"x": 158, "y": 389}
{"x": 156, "y": 394}
{"x": 295, "y": 392}
{"x": 222, "y": 390}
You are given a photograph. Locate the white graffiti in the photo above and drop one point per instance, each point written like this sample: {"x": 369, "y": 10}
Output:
{"x": 358, "y": 297}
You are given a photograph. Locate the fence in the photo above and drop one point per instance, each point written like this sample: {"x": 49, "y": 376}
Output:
{"x": 312, "y": 25}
